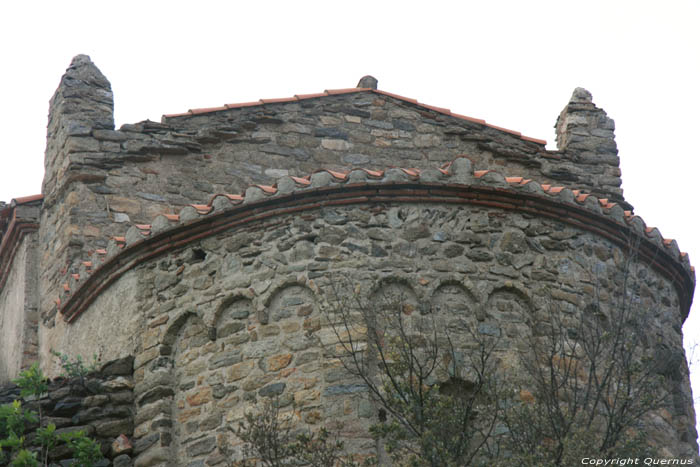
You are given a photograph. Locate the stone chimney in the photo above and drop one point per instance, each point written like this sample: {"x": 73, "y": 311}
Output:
{"x": 82, "y": 103}
{"x": 585, "y": 136}
{"x": 81, "y": 107}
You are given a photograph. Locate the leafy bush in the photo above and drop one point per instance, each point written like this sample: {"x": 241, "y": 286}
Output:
{"x": 76, "y": 368}
{"x": 15, "y": 421}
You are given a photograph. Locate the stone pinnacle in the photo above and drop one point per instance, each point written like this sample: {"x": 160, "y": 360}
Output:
{"x": 368, "y": 82}
{"x": 581, "y": 95}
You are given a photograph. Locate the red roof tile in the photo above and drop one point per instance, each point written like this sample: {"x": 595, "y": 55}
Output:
{"x": 242, "y": 104}
{"x": 301, "y": 180}
{"x": 267, "y": 188}
{"x": 331, "y": 92}
{"x": 27, "y": 199}
{"x": 279, "y": 100}
{"x": 396, "y": 96}
{"x": 310, "y": 96}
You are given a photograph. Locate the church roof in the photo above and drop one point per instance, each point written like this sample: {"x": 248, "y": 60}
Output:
{"x": 335, "y": 92}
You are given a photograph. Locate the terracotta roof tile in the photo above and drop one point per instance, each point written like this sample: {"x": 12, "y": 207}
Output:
{"x": 202, "y": 208}
{"x": 500, "y": 128}
{"x": 374, "y": 173}
{"x": 480, "y": 173}
{"x": 301, "y": 180}
{"x": 207, "y": 110}
{"x": 182, "y": 114}
{"x": 441, "y": 110}
{"x": 543, "y": 142}
{"x": 267, "y": 189}
{"x": 470, "y": 119}
{"x": 331, "y": 92}
{"x": 242, "y": 104}
{"x": 337, "y": 175}
{"x": 311, "y": 96}
{"x": 396, "y": 96}
{"x": 279, "y": 100}
{"x": 27, "y": 199}
{"x": 413, "y": 173}
{"x": 233, "y": 197}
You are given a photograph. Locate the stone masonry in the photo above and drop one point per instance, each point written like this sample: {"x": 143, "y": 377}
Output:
{"x": 100, "y": 405}
{"x": 209, "y": 247}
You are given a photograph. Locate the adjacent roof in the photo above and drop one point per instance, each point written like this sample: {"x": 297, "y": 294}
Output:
{"x": 15, "y": 223}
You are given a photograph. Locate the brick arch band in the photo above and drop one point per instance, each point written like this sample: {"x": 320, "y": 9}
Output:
{"x": 267, "y": 210}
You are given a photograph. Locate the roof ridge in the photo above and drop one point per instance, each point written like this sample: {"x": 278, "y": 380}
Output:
{"x": 333, "y": 92}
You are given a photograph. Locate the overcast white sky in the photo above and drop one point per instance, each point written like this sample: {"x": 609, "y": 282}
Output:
{"x": 512, "y": 63}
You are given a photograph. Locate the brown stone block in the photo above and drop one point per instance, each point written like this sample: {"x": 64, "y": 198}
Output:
{"x": 291, "y": 327}
{"x": 228, "y": 402}
{"x": 202, "y": 396}
{"x": 120, "y": 204}
{"x": 312, "y": 324}
{"x": 304, "y": 397}
{"x": 277, "y": 362}
{"x": 240, "y": 370}
{"x": 188, "y": 414}
{"x": 158, "y": 321}
{"x": 287, "y": 371}
{"x": 312, "y": 416}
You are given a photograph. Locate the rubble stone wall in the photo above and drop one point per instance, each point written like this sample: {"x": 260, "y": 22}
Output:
{"x": 18, "y": 302}
{"x": 99, "y": 180}
{"x": 232, "y": 319}
{"x": 100, "y": 405}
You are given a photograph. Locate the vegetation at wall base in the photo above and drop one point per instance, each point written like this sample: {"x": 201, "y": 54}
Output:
{"x": 17, "y": 449}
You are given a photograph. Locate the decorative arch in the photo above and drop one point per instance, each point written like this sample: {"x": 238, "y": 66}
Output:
{"x": 392, "y": 291}
{"x": 231, "y": 316}
{"x": 186, "y": 350}
{"x": 454, "y": 307}
{"x": 508, "y": 311}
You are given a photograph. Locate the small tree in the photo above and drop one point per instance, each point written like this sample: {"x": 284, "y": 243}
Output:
{"x": 589, "y": 380}
{"x": 269, "y": 440}
{"x": 438, "y": 405}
